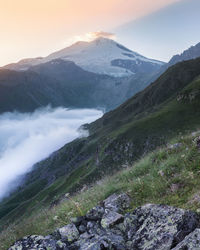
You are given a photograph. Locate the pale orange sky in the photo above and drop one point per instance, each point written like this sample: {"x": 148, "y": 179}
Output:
{"x": 30, "y": 28}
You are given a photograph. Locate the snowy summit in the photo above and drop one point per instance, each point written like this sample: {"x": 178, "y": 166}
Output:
{"x": 102, "y": 56}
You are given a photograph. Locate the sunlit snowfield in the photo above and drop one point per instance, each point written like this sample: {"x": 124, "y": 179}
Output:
{"x": 26, "y": 139}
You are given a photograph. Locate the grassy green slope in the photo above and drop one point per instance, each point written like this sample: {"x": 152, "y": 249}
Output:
{"x": 166, "y": 176}
{"x": 166, "y": 86}
{"x": 169, "y": 106}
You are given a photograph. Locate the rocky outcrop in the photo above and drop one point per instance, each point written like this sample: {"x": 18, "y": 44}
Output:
{"x": 149, "y": 227}
{"x": 161, "y": 227}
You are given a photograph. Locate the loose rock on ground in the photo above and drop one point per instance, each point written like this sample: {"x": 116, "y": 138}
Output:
{"x": 150, "y": 227}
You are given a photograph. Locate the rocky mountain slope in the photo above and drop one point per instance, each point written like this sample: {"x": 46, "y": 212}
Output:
{"x": 191, "y": 53}
{"x": 104, "y": 227}
{"x": 102, "y": 56}
{"x": 152, "y": 117}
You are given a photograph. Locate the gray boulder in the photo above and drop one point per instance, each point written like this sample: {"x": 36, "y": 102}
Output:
{"x": 191, "y": 242}
{"x": 105, "y": 240}
{"x": 150, "y": 227}
{"x": 161, "y": 227}
{"x": 95, "y": 213}
{"x": 111, "y": 218}
{"x": 117, "y": 203}
{"x": 68, "y": 233}
{"x": 35, "y": 242}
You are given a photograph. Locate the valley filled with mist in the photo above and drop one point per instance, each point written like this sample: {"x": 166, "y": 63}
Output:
{"x": 27, "y": 138}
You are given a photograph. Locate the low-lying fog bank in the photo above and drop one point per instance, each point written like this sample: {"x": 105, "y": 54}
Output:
{"x": 26, "y": 139}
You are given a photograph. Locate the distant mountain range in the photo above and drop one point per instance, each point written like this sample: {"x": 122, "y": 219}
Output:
{"x": 102, "y": 56}
{"x": 59, "y": 81}
{"x": 98, "y": 74}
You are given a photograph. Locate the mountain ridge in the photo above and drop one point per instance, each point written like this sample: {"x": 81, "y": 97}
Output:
{"x": 50, "y": 80}
{"x": 98, "y": 56}
{"x": 60, "y": 83}
{"x": 188, "y": 54}
{"x": 192, "y": 52}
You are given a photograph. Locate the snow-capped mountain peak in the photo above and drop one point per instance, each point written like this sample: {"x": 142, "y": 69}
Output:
{"x": 102, "y": 55}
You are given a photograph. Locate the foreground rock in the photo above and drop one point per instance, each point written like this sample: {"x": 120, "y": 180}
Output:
{"x": 161, "y": 227}
{"x": 35, "y": 242}
{"x": 149, "y": 227}
{"x": 191, "y": 242}
{"x": 68, "y": 233}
